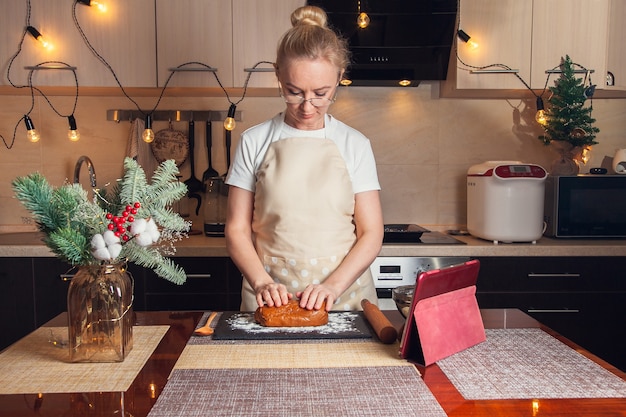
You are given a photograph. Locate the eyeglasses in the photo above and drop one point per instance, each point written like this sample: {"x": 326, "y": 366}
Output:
{"x": 298, "y": 100}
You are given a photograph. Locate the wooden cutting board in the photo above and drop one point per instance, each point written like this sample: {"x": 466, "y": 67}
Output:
{"x": 236, "y": 325}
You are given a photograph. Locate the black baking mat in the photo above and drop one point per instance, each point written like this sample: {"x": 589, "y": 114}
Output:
{"x": 237, "y": 325}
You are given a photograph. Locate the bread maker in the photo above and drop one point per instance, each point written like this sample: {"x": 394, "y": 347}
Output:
{"x": 505, "y": 201}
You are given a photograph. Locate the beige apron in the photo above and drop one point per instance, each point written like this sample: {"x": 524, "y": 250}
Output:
{"x": 303, "y": 219}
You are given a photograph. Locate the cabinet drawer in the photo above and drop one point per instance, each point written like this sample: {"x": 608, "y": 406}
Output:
{"x": 203, "y": 275}
{"x": 551, "y": 274}
{"x": 187, "y": 302}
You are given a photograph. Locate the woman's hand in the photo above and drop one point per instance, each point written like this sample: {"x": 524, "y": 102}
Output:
{"x": 313, "y": 297}
{"x": 272, "y": 294}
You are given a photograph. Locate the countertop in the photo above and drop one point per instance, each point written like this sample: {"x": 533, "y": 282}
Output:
{"x": 140, "y": 398}
{"x": 29, "y": 244}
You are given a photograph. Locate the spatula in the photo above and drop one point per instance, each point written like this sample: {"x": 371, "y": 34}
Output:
{"x": 194, "y": 185}
{"x": 210, "y": 171}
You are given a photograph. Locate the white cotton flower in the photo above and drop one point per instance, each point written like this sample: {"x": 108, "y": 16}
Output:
{"x": 145, "y": 231}
{"x": 115, "y": 250}
{"x": 101, "y": 254}
{"x": 97, "y": 242}
{"x": 106, "y": 246}
{"x": 110, "y": 238}
{"x": 143, "y": 239}
{"x": 138, "y": 226}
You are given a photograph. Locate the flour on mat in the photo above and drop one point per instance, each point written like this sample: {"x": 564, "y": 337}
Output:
{"x": 339, "y": 322}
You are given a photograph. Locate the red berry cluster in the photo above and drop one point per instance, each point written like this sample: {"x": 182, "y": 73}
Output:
{"x": 117, "y": 224}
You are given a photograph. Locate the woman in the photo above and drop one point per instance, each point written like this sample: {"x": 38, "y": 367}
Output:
{"x": 304, "y": 216}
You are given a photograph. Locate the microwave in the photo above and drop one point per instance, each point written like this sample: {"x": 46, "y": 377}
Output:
{"x": 585, "y": 206}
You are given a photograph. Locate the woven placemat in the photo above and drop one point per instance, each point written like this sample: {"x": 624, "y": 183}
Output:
{"x": 34, "y": 365}
{"x": 347, "y": 392}
{"x": 284, "y": 355}
{"x": 527, "y": 364}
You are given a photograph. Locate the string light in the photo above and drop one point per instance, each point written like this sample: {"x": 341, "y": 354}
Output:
{"x": 540, "y": 116}
{"x": 229, "y": 122}
{"x": 148, "y": 133}
{"x": 467, "y": 39}
{"x": 73, "y": 134}
{"x": 101, "y": 6}
{"x": 39, "y": 37}
{"x": 31, "y": 132}
{"x": 362, "y": 20}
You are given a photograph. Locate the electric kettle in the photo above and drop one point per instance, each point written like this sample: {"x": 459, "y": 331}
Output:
{"x": 215, "y": 204}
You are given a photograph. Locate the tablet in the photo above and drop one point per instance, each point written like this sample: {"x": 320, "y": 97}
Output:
{"x": 444, "y": 317}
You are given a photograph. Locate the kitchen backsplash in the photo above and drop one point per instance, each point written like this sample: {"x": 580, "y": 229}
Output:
{"x": 423, "y": 144}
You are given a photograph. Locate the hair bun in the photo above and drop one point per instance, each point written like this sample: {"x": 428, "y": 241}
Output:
{"x": 309, "y": 15}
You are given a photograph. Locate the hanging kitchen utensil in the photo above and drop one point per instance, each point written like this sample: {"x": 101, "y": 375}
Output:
{"x": 194, "y": 185}
{"x": 170, "y": 144}
{"x": 210, "y": 171}
{"x": 228, "y": 144}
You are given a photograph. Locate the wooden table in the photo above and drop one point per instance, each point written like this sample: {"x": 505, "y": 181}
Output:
{"x": 144, "y": 391}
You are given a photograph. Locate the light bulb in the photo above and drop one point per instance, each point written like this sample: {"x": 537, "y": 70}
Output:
{"x": 148, "y": 133}
{"x": 229, "y": 122}
{"x": 363, "y": 20}
{"x": 540, "y": 116}
{"x": 31, "y": 133}
{"x": 472, "y": 44}
{"x": 39, "y": 37}
{"x": 73, "y": 134}
{"x": 100, "y": 5}
{"x": 404, "y": 83}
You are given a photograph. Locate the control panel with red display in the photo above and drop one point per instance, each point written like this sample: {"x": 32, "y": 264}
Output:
{"x": 520, "y": 171}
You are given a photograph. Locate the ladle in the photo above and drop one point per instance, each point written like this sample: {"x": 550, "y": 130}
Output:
{"x": 206, "y": 330}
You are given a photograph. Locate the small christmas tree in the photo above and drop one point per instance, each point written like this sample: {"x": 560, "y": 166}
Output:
{"x": 567, "y": 118}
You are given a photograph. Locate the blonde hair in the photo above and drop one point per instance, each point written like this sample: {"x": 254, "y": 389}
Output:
{"x": 311, "y": 38}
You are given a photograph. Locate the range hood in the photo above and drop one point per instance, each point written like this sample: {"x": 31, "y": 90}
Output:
{"x": 405, "y": 39}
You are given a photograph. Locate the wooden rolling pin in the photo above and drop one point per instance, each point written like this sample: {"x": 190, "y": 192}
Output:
{"x": 381, "y": 324}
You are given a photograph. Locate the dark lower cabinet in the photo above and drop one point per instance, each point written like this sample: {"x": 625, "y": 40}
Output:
{"x": 16, "y": 299}
{"x": 584, "y": 299}
{"x": 212, "y": 284}
{"x": 51, "y": 278}
{"x": 34, "y": 290}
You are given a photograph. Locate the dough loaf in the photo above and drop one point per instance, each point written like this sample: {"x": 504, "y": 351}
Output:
{"x": 290, "y": 315}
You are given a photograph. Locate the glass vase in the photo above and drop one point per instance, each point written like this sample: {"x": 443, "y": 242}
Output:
{"x": 100, "y": 318}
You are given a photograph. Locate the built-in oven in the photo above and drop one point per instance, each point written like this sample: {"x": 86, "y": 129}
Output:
{"x": 390, "y": 272}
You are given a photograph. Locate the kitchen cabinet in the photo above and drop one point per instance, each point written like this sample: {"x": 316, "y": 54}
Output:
{"x": 16, "y": 299}
{"x": 123, "y": 36}
{"x": 531, "y": 36}
{"x": 51, "y": 278}
{"x": 616, "y": 60}
{"x": 34, "y": 291}
{"x": 212, "y": 284}
{"x": 581, "y": 298}
{"x": 194, "y": 31}
{"x": 257, "y": 28}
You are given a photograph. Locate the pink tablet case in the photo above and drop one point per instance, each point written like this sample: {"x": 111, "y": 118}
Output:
{"x": 445, "y": 318}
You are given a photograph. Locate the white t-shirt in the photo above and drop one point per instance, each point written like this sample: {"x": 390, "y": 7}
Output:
{"x": 354, "y": 147}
